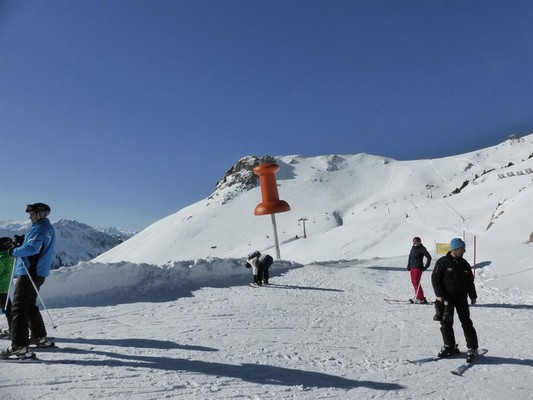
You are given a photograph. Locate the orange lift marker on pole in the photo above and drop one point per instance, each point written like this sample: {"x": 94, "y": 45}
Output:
{"x": 271, "y": 203}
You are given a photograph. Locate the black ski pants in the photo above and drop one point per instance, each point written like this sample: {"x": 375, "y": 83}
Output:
{"x": 446, "y": 325}
{"x": 25, "y": 315}
{"x": 263, "y": 274}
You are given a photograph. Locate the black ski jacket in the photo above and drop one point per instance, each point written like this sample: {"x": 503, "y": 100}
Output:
{"x": 452, "y": 278}
{"x": 416, "y": 258}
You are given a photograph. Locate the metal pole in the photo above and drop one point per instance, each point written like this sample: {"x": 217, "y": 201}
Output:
{"x": 275, "y": 235}
{"x": 475, "y": 249}
{"x": 303, "y": 222}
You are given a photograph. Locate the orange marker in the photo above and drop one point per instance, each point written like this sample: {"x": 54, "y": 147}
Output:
{"x": 269, "y": 192}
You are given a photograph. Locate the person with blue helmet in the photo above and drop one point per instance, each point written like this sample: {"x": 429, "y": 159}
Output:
{"x": 453, "y": 283}
{"x": 34, "y": 255}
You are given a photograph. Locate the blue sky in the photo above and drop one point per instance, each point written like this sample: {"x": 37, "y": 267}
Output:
{"x": 119, "y": 113}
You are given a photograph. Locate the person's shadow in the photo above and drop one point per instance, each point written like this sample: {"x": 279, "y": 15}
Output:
{"x": 504, "y": 360}
{"x": 254, "y": 373}
{"x": 505, "y": 305}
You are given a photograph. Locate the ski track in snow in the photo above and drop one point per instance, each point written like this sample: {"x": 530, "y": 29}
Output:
{"x": 321, "y": 332}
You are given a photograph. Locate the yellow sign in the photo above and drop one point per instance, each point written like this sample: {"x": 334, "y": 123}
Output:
{"x": 442, "y": 248}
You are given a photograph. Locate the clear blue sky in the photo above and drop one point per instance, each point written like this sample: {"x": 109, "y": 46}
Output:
{"x": 119, "y": 113}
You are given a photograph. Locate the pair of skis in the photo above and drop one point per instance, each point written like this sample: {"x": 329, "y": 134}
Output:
{"x": 460, "y": 370}
{"x": 34, "y": 359}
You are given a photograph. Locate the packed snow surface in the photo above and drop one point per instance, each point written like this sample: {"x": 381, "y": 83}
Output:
{"x": 170, "y": 314}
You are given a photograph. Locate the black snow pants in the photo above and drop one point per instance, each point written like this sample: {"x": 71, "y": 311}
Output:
{"x": 264, "y": 265}
{"x": 446, "y": 325}
{"x": 25, "y": 315}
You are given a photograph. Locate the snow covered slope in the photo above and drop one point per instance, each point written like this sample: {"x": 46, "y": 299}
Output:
{"x": 357, "y": 207}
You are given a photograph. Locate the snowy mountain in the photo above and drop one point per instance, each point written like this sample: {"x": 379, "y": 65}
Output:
{"x": 75, "y": 241}
{"x": 120, "y": 233}
{"x": 362, "y": 206}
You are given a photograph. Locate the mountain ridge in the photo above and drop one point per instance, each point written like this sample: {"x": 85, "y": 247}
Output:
{"x": 75, "y": 241}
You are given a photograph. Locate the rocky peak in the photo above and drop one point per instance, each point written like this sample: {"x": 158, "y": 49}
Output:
{"x": 241, "y": 176}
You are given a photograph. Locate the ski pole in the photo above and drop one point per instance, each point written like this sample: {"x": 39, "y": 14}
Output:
{"x": 38, "y": 295}
{"x": 9, "y": 293}
{"x": 418, "y": 288}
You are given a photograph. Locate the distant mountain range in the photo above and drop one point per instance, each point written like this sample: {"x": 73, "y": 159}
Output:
{"x": 75, "y": 241}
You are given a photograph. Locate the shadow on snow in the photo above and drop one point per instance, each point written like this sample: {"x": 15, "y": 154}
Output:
{"x": 505, "y": 305}
{"x": 254, "y": 373}
{"x": 133, "y": 342}
{"x": 504, "y": 360}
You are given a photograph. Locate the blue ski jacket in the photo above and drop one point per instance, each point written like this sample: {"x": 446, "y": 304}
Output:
{"x": 37, "y": 251}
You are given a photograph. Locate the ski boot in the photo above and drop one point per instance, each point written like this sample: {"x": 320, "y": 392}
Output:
{"x": 17, "y": 352}
{"x": 5, "y": 334}
{"x": 41, "y": 343}
{"x": 471, "y": 354}
{"x": 448, "y": 351}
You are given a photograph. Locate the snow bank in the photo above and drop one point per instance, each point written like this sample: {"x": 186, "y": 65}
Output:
{"x": 101, "y": 283}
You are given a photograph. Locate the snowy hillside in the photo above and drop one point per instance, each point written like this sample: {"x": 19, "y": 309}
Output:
{"x": 362, "y": 206}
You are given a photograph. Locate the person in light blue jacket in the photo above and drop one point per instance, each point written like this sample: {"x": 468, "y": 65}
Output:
{"x": 34, "y": 253}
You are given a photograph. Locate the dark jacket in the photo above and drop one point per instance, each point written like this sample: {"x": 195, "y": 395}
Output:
{"x": 452, "y": 278}
{"x": 416, "y": 258}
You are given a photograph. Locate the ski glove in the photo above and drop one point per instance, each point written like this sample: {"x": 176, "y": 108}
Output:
{"x": 473, "y": 301}
{"x": 19, "y": 239}
{"x": 408, "y": 268}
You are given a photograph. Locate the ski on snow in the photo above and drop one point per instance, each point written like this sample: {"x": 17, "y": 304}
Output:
{"x": 432, "y": 359}
{"x": 461, "y": 369}
{"x": 396, "y": 301}
{"x": 410, "y": 301}
{"x": 57, "y": 348}
{"x": 34, "y": 359}
{"x": 31, "y": 360}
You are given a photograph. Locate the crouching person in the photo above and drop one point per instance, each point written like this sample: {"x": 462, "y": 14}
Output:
{"x": 260, "y": 265}
{"x": 265, "y": 261}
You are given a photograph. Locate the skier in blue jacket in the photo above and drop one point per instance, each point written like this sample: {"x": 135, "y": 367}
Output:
{"x": 34, "y": 253}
